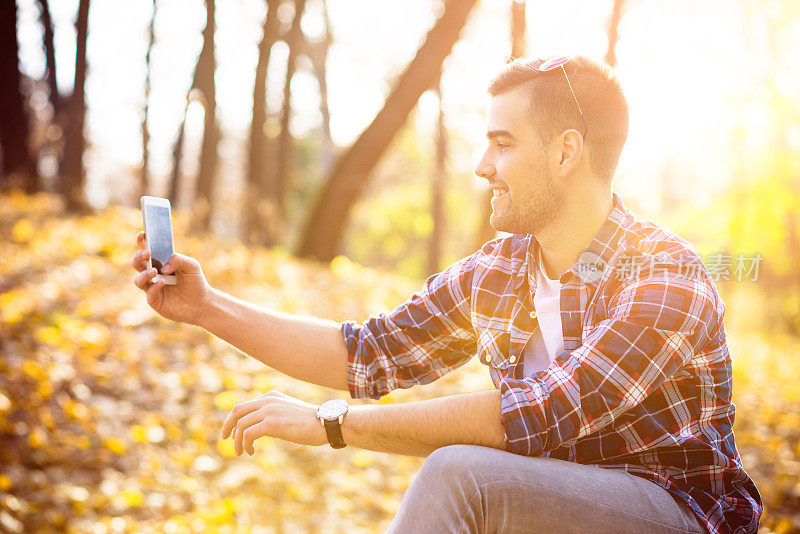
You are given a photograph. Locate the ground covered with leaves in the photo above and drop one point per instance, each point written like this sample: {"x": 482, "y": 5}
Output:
{"x": 110, "y": 415}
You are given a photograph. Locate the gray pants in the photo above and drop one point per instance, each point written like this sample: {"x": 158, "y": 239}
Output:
{"x": 467, "y": 488}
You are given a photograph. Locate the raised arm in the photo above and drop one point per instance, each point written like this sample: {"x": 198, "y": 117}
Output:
{"x": 305, "y": 348}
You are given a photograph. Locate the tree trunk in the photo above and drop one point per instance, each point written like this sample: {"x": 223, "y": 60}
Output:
{"x": 17, "y": 167}
{"x": 49, "y": 54}
{"x": 258, "y": 210}
{"x": 276, "y": 188}
{"x": 55, "y": 136}
{"x": 323, "y": 232}
{"x": 206, "y": 67}
{"x": 144, "y": 177}
{"x": 485, "y": 230}
{"x": 319, "y": 57}
{"x": 177, "y": 151}
{"x": 613, "y": 32}
{"x": 437, "y": 193}
{"x": 518, "y": 28}
{"x": 72, "y": 176}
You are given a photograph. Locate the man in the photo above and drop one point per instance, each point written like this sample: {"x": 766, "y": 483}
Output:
{"x": 603, "y": 335}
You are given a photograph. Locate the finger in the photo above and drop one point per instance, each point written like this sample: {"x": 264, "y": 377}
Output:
{"x": 180, "y": 262}
{"x": 252, "y": 433}
{"x": 245, "y": 423}
{"x": 172, "y": 263}
{"x": 142, "y": 280}
{"x": 140, "y": 240}
{"x": 239, "y": 411}
{"x": 139, "y": 260}
{"x": 153, "y": 290}
{"x": 237, "y": 440}
{"x": 230, "y": 421}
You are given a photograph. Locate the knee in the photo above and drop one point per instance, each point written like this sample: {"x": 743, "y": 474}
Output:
{"x": 440, "y": 497}
{"x": 450, "y": 464}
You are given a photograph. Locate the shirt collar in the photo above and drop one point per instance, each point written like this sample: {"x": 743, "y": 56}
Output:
{"x": 606, "y": 243}
{"x": 599, "y": 251}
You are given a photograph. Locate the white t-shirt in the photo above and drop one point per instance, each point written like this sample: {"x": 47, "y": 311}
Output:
{"x": 547, "y": 340}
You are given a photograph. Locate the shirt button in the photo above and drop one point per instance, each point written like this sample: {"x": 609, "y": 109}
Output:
{"x": 512, "y": 359}
{"x": 488, "y": 358}
{"x": 533, "y": 315}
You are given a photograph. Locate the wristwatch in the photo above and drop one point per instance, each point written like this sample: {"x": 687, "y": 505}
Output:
{"x": 330, "y": 414}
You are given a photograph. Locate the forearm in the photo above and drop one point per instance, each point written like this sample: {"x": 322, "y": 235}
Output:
{"x": 305, "y": 348}
{"x": 418, "y": 428}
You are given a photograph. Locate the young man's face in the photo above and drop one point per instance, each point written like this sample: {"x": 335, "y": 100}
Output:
{"x": 526, "y": 198}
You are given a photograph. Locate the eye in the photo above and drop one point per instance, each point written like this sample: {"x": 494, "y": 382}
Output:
{"x": 501, "y": 146}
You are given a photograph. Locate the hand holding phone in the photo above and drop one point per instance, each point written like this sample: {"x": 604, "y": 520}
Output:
{"x": 182, "y": 301}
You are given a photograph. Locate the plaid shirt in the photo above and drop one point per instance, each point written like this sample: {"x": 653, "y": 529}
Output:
{"x": 644, "y": 381}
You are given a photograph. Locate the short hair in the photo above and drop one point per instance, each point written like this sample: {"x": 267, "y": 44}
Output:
{"x": 553, "y": 108}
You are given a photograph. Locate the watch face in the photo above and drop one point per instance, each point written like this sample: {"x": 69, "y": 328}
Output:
{"x": 332, "y": 409}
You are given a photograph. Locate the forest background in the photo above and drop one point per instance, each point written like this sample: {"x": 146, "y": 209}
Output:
{"x": 319, "y": 157}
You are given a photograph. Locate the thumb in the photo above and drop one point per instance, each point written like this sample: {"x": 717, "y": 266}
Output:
{"x": 182, "y": 263}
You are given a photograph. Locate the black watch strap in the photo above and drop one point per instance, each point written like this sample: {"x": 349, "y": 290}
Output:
{"x": 334, "y": 431}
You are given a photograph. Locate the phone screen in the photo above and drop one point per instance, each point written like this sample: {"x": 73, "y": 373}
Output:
{"x": 159, "y": 235}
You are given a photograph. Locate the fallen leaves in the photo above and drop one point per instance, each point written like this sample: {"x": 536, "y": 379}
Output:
{"x": 110, "y": 415}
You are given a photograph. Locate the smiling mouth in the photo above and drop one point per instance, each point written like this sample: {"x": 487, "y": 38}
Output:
{"x": 498, "y": 192}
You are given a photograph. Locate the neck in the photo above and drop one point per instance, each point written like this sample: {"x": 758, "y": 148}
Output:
{"x": 567, "y": 237}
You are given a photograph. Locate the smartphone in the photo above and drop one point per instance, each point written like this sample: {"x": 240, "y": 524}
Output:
{"x": 157, "y": 220}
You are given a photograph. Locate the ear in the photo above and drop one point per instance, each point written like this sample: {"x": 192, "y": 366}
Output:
{"x": 570, "y": 151}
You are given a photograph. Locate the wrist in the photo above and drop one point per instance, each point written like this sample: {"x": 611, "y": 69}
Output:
{"x": 331, "y": 415}
{"x": 352, "y": 424}
{"x": 204, "y": 318}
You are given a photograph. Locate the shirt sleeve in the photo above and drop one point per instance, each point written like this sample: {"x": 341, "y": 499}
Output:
{"x": 653, "y": 327}
{"x": 419, "y": 341}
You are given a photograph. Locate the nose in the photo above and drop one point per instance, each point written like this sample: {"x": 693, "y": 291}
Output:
{"x": 485, "y": 168}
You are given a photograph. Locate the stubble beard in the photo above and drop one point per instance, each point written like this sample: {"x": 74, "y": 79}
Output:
{"x": 530, "y": 215}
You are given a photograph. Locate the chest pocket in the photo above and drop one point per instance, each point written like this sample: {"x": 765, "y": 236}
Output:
{"x": 494, "y": 348}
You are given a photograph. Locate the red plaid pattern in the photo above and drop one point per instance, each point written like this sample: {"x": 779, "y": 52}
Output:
{"x": 644, "y": 381}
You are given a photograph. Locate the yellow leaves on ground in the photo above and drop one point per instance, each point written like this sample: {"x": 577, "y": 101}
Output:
{"x": 14, "y": 305}
{"x": 227, "y": 399}
{"x": 37, "y": 438}
{"x": 75, "y": 409}
{"x": 110, "y": 415}
{"x": 66, "y": 333}
{"x": 23, "y": 231}
{"x": 130, "y": 497}
{"x": 115, "y": 444}
{"x": 226, "y": 447}
{"x": 138, "y": 433}
{"x": 262, "y": 383}
{"x": 33, "y": 369}
{"x": 47, "y": 334}
{"x": 221, "y": 512}
{"x": 361, "y": 458}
